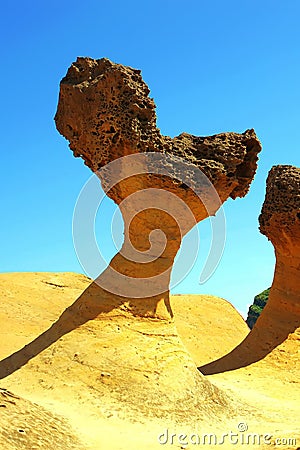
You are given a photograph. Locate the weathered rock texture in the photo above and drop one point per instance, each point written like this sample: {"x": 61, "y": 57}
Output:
{"x": 105, "y": 113}
{"x": 280, "y": 318}
{"x": 73, "y": 377}
{"x": 95, "y": 365}
{"x": 25, "y": 425}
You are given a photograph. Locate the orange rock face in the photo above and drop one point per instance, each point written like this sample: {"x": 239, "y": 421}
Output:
{"x": 280, "y": 222}
{"x": 280, "y": 319}
{"x": 163, "y": 186}
{"x": 105, "y": 112}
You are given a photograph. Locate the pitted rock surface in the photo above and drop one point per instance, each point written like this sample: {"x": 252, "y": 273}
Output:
{"x": 105, "y": 112}
{"x": 280, "y": 215}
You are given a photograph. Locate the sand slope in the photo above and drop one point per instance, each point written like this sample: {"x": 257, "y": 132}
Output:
{"x": 70, "y": 379}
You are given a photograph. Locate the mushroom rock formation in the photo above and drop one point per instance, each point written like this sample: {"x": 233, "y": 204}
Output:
{"x": 279, "y": 321}
{"x": 163, "y": 187}
{"x": 105, "y": 113}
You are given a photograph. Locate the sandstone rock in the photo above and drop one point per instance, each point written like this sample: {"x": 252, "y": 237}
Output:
{"x": 105, "y": 112}
{"x": 163, "y": 187}
{"x": 280, "y": 318}
{"x": 280, "y": 215}
{"x": 66, "y": 379}
{"x": 25, "y": 425}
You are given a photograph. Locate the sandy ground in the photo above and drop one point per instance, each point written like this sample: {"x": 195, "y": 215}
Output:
{"x": 54, "y": 388}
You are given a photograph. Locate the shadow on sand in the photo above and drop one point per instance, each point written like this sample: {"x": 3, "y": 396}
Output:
{"x": 271, "y": 329}
{"x": 93, "y": 302}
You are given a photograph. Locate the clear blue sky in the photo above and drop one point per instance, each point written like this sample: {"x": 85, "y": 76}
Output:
{"x": 211, "y": 67}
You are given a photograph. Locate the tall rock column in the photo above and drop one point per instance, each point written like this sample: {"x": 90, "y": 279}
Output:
{"x": 280, "y": 222}
{"x": 280, "y": 318}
